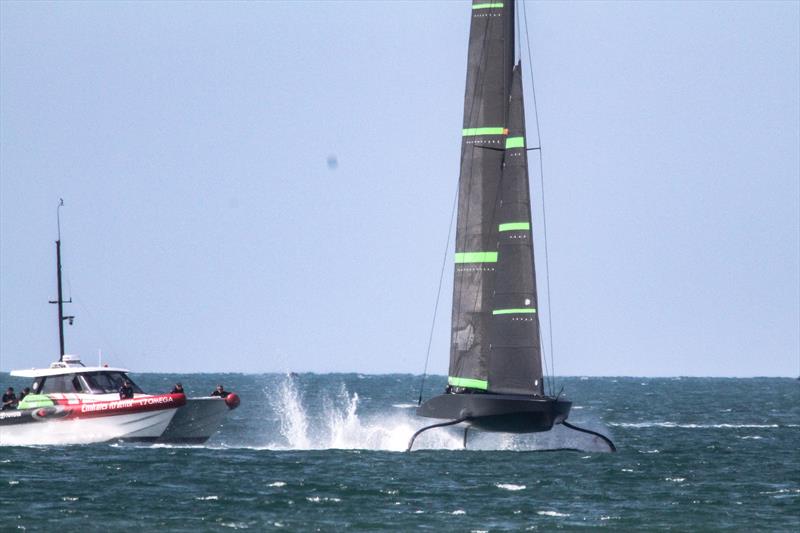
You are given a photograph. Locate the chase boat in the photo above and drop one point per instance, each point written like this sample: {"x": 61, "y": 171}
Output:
{"x": 71, "y": 403}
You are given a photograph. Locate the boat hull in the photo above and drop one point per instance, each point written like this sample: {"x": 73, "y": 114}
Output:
{"x": 195, "y": 422}
{"x": 143, "y": 426}
{"x": 73, "y": 421}
{"x": 506, "y": 413}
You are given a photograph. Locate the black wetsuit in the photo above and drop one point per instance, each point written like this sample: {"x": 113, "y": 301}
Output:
{"x": 223, "y": 393}
{"x": 9, "y": 397}
{"x": 125, "y": 393}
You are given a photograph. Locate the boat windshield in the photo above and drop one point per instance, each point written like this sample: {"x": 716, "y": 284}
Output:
{"x": 85, "y": 382}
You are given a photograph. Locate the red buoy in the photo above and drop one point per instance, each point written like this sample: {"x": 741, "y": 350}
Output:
{"x": 232, "y": 400}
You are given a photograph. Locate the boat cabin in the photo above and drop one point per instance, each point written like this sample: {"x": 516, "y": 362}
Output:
{"x": 70, "y": 375}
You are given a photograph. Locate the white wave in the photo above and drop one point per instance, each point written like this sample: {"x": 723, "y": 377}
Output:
{"x": 235, "y": 525}
{"x": 404, "y": 405}
{"x": 207, "y": 498}
{"x": 691, "y": 426}
{"x": 551, "y": 513}
{"x": 675, "y": 479}
{"x": 459, "y": 511}
{"x": 277, "y": 484}
{"x": 318, "y": 499}
{"x": 509, "y": 486}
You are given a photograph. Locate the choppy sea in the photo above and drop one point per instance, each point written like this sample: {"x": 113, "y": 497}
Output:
{"x": 325, "y": 452}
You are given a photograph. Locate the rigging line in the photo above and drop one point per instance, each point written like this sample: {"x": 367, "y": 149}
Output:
{"x": 544, "y": 212}
{"x": 438, "y": 295}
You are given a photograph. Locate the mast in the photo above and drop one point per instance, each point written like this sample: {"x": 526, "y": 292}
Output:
{"x": 60, "y": 301}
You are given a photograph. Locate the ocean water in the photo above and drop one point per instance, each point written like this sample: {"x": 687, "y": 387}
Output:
{"x": 325, "y": 453}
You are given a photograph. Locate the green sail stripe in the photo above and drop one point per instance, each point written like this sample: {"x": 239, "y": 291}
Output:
{"x": 468, "y": 383}
{"x": 470, "y": 132}
{"x": 512, "y": 226}
{"x": 487, "y": 6}
{"x": 476, "y": 257}
{"x": 515, "y": 142}
{"x": 524, "y": 310}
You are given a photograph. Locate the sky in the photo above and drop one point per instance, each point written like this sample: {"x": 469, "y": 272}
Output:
{"x": 266, "y": 187}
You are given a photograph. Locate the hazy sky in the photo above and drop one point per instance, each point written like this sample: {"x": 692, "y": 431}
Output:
{"x": 204, "y": 230}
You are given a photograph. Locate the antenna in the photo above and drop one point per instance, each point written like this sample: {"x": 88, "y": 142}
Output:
{"x": 58, "y": 216}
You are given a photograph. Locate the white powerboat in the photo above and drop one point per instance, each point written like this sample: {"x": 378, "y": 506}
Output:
{"x": 71, "y": 403}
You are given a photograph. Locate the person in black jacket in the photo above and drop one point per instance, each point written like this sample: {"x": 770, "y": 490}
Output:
{"x": 126, "y": 391}
{"x": 177, "y": 389}
{"x": 9, "y": 399}
{"x": 220, "y": 391}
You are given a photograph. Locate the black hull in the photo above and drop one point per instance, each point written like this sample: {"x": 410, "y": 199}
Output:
{"x": 36, "y": 415}
{"x": 505, "y": 413}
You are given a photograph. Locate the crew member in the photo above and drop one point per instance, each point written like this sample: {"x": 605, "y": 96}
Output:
{"x": 126, "y": 391}
{"x": 25, "y": 392}
{"x": 177, "y": 389}
{"x": 220, "y": 391}
{"x": 9, "y": 399}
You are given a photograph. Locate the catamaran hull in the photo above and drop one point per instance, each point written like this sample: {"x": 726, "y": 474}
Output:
{"x": 507, "y": 413}
{"x": 196, "y": 422}
{"x": 143, "y": 426}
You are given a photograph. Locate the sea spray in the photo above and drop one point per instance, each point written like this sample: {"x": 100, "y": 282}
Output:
{"x": 338, "y": 424}
{"x": 292, "y": 416}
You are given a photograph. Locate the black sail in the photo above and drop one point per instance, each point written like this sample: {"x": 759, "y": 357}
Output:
{"x": 489, "y": 72}
{"x": 495, "y": 328}
{"x": 514, "y": 362}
